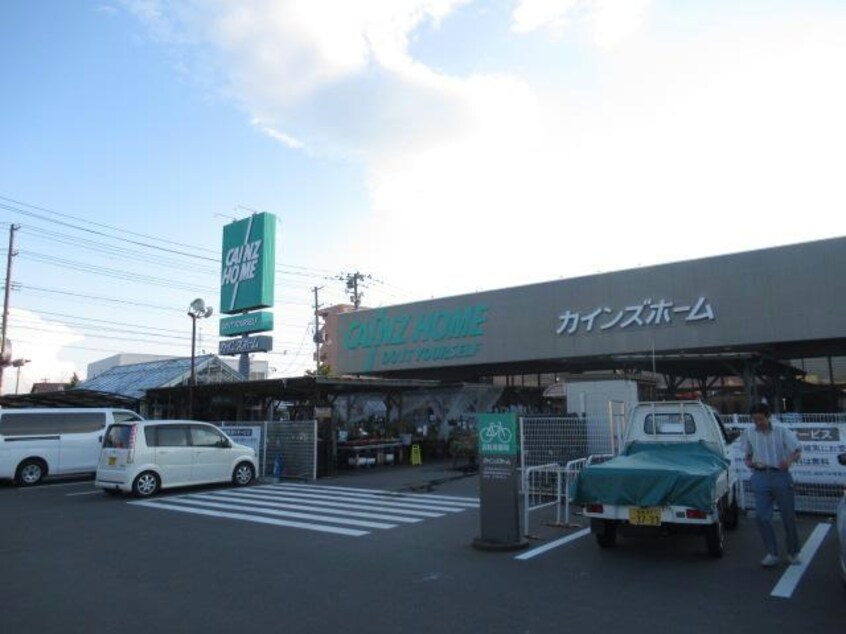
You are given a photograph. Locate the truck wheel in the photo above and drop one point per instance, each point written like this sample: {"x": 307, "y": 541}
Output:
{"x": 606, "y": 532}
{"x": 732, "y": 515}
{"x": 715, "y": 539}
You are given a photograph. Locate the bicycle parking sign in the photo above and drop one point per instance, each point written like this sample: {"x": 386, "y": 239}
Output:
{"x": 499, "y": 516}
{"x": 497, "y": 434}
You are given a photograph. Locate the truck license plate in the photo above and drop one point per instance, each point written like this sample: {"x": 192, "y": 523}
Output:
{"x": 648, "y": 516}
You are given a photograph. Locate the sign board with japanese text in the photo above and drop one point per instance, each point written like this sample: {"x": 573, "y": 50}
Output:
{"x": 261, "y": 321}
{"x": 249, "y": 436}
{"x": 497, "y": 435}
{"x": 248, "y": 263}
{"x": 498, "y": 460}
{"x": 245, "y": 344}
{"x": 733, "y": 301}
{"x": 818, "y": 477}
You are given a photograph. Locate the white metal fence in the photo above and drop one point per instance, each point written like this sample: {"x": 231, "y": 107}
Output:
{"x": 552, "y": 451}
{"x": 558, "y": 439}
{"x": 284, "y": 448}
{"x": 544, "y": 486}
{"x": 818, "y": 478}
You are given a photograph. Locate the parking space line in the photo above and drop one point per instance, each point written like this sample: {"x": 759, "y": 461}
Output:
{"x": 95, "y": 492}
{"x": 558, "y": 542}
{"x": 791, "y": 577}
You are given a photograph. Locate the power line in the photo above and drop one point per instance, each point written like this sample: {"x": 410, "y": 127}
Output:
{"x": 113, "y": 273}
{"x": 298, "y": 270}
{"x": 125, "y": 253}
{"x": 124, "y": 302}
{"x": 83, "y": 220}
{"x": 177, "y": 338}
{"x": 121, "y": 323}
{"x": 26, "y": 287}
{"x": 106, "y": 235}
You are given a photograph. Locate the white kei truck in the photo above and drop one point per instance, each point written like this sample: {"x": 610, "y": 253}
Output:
{"x": 674, "y": 473}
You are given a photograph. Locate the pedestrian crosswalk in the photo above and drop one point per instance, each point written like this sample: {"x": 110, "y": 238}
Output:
{"x": 327, "y": 509}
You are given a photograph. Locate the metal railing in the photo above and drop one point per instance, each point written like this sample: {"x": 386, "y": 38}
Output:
{"x": 553, "y": 485}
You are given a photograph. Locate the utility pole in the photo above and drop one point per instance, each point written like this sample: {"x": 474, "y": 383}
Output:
{"x": 9, "y": 256}
{"x": 352, "y": 280}
{"x": 316, "y": 332}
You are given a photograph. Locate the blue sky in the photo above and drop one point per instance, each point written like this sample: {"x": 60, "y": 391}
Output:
{"x": 441, "y": 146}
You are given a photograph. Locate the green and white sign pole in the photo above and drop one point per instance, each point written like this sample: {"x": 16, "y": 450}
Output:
{"x": 499, "y": 510}
{"x": 248, "y": 261}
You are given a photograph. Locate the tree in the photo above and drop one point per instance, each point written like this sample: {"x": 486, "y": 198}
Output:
{"x": 74, "y": 381}
{"x": 324, "y": 370}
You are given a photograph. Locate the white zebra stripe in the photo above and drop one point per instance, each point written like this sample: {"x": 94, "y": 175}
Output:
{"x": 412, "y": 503}
{"x": 255, "y": 501}
{"x": 330, "y": 508}
{"x": 445, "y": 499}
{"x": 337, "y": 530}
{"x": 300, "y": 516}
{"x": 333, "y": 503}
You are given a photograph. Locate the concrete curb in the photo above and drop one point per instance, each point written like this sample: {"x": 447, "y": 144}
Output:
{"x": 429, "y": 485}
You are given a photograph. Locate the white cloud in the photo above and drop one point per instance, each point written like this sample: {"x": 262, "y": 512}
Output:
{"x": 287, "y": 139}
{"x": 610, "y": 21}
{"x": 41, "y": 342}
{"x": 720, "y": 139}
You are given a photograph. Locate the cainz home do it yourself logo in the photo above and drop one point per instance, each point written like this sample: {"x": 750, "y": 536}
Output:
{"x": 417, "y": 338}
{"x": 247, "y": 266}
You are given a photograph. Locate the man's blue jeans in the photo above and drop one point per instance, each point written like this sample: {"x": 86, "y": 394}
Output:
{"x": 775, "y": 488}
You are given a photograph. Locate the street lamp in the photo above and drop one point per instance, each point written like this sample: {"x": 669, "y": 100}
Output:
{"x": 18, "y": 363}
{"x": 197, "y": 310}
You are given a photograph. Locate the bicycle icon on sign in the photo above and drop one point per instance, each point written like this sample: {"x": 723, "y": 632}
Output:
{"x": 495, "y": 432}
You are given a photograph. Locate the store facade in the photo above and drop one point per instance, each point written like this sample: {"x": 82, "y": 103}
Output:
{"x": 748, "y": 314}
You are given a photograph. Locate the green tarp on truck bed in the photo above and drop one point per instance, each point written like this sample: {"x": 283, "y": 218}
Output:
{"x": 654, "y": 474}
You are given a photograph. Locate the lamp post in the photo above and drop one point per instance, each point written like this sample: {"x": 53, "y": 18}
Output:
{"x": 197, "y": 310}
{"x": 18, "y": 363}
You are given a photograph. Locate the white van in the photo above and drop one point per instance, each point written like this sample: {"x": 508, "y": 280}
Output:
{"x": 145, "y": 456}
{"x": 35, "y": 443}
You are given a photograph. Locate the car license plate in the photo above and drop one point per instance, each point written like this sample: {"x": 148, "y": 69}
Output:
{"x": 112, "y": 461}
{"x": 648, "y": 516}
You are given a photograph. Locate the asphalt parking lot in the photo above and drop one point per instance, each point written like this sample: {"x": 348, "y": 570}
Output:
{"x": 365, "y": 551}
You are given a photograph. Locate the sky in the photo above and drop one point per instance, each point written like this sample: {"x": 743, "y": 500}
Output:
{"x": 440, "y": 147}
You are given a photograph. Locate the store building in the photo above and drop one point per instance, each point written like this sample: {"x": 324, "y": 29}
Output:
{"x": 769, "y": 323}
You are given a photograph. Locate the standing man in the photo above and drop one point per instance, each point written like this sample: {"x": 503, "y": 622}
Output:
{"x": 770, "y": 449}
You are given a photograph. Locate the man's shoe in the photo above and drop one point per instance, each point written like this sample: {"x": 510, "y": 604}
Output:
{"x": 795, "y": 560}
{"x": 769, "y": 561}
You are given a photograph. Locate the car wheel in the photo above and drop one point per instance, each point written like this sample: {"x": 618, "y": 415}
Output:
{"x": 606, "y": 533}
{"x": 146, "y": 484}
{"x": 30, "y": 472}
{"x": 243, "y": 474}
{"x": 715, "y": 539}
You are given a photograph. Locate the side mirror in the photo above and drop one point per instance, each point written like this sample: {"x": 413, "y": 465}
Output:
{"x": 842, "y": 459}
{"x": 224, "y": 444}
